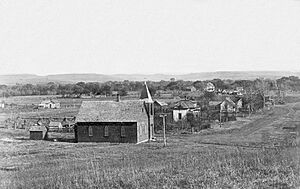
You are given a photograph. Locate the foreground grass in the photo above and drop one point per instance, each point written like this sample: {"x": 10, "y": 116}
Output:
{"x": 151, "y": 166}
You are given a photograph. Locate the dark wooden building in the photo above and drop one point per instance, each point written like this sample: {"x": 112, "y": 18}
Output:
{"x": 129, "y": 121}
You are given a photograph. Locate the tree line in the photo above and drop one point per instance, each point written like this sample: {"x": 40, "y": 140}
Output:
{"x": 291, "y": 83}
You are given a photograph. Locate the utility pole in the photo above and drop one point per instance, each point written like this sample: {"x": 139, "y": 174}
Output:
{"x": 263, "y": 83}
{"x": 220, "y": 117}
{"x": 163, "y": 116}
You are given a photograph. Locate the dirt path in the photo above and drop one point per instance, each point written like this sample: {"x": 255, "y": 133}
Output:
{"x": 266, "y": 131}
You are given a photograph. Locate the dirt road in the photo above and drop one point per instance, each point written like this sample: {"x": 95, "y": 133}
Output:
{"x": 276, "y": 128}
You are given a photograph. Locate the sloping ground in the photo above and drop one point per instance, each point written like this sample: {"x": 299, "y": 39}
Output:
{"x": 276, "y": 128}
{"x": 212, "y": 160}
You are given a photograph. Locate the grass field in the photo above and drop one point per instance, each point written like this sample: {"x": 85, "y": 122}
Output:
{"x": 183, "y": 164}
{"x": 24, "y": 108}
{"x": 255, "y": 152}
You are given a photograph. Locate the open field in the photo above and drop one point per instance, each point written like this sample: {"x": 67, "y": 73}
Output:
{"x": 25, "y": 107}
{"x": 257, "y": 152}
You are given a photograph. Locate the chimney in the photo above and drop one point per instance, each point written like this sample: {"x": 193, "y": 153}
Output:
{"x": 118, "y": 98}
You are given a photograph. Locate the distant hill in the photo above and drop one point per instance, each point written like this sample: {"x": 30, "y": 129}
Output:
{"x": 73, "y": 78}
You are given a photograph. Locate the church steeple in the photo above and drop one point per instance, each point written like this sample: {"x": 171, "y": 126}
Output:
{"x": 145, "y": 94}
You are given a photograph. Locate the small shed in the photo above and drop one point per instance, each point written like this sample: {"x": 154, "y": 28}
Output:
{"x": 55, "y": 126}
{"x": 37, "y": 132}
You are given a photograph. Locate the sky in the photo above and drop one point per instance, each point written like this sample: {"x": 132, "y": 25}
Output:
{"x": 148, "y": 36}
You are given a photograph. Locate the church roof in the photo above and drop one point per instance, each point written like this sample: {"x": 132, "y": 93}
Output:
{"x": 111, "y": 111}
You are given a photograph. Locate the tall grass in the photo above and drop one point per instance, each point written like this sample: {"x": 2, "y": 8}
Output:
{"x": 165, "y": 168}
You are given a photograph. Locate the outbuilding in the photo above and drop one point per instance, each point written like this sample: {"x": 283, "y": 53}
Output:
{"x": 49, "y": 104}
{"x": 37, "y": 132}
{"x": 181, "y": 108}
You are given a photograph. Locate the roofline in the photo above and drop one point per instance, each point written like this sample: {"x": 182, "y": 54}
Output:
{"x": 132, "y": 121}
{"x": 135, "y": 100}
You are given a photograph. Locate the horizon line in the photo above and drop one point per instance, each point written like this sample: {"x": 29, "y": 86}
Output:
{"x": 158, "y": 73}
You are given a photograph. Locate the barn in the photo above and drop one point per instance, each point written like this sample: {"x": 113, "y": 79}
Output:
{"x": 37, "y": 132}
{"x": 128, "y": 121}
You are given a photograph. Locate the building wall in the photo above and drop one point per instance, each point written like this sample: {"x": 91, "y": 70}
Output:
{"x": 114, "y": 132}
{"x": 150, "y": 113}
{"x": 142, "y": 132}
{"x": 176, "y": 114}
{"x": 37, "y": 135}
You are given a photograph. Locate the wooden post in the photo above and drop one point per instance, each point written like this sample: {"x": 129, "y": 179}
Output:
{"x": 249, "y": 110}
{"x": 163, "y": 116}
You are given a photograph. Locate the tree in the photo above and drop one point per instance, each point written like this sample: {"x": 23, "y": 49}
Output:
{"x": 122, "y": 92}
{"x": 106, "y": 89}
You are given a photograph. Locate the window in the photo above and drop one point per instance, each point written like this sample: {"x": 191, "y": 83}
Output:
{"x": 90, "y": 131}
{"x": 105, "y": 130}
{"x": 123, "y": 131}
{"x": 179, "y": 116}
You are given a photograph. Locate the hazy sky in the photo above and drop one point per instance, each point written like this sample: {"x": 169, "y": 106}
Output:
{"x": 153, "y": 36}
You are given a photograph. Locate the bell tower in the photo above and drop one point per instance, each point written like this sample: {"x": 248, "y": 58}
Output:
{"x": 149, "y": 105}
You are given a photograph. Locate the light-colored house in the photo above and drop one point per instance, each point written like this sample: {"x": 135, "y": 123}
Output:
{"x": 191, "y": 89}
{"x": 114, "y": 93}
{"x": 181, "y": 108}
{"x": 210, "y": 87}
{"x": 228, "y": 106}
{"x": 49, "y": 104}
{"x": 239, "y": 105}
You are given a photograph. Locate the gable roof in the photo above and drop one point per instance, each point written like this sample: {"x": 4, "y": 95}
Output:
{"x": 183, "y": 104}
{"x": 229, "y": 101}
{"x": 38, "y": 128}
{"x": 214, "y": 103}
{"x": 111, "y": 111}
{"x": 46, "y": 101}
{"x": 160, "y": 103}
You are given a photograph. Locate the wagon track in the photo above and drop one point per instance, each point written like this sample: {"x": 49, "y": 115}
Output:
{"x": 266, "y": 120}
{"x": 251, "y": 146}
{"x": 265, "y": 132}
